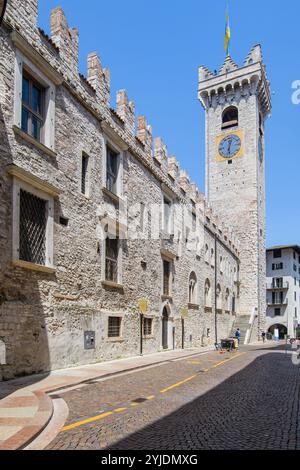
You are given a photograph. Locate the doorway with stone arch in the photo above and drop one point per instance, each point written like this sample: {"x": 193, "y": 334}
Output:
{"x": 281, "y": 328}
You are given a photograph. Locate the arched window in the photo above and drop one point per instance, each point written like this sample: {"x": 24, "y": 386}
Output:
{"x": 227, "y": 299}
{"x": 219, "y": 297}
{"x": 193, "y": 289}
{"x": 207, "y": 294}
{"x": 230, "y": 117}
{"x": 233, "y": 303}
{"x": 212, "y": 257}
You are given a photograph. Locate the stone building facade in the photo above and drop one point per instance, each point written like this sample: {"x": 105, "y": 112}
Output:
{"x": 96, "y": 219}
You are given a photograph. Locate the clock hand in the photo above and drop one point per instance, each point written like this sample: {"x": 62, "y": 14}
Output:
{"x": 229, "y": 145}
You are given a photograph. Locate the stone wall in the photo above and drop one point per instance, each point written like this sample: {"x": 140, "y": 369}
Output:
{"x": 43, "y": 316}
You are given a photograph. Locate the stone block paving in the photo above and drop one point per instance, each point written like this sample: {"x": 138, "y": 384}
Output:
{"x": 251, "y": 402}
{"x": 25, "y": 407}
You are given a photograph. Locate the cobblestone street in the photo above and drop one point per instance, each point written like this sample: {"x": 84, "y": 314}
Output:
{"x": 243, "y": 400}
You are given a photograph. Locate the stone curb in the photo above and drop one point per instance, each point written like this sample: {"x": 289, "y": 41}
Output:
{"x": 33, "y": 426}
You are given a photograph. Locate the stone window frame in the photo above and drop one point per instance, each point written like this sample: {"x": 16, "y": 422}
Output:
{"x": 87, "y": 153}
{"x": 108, "y": 142}
{"x": 165, "y": 258}
{"x": 219, "y": 295}
{"x": 114, "y": 339}
{"x": 151, "y": 335}
{"x": 110, "y": 234}
{"x": 193, "y": 300}
{"x": 226, "y": 124}
{"x": 18, "y": 184}
{"x": 207, "y": 294}
{"x": 170, "y": 229}
{"x": 23, "y": 64}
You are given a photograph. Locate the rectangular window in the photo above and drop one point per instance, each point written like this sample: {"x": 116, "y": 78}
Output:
{"x": 111, "y": 259}
{"x": 32, "y": 107}
{"x": 277, "y": 297}
{"x": 166, "y": 280}
{"x": 277, "y": 254}
{"x": 277, "y": 266}
{"x": 32, "y": 228}
{"x": 84, "y": 173}
{"x": 147, "y": 326}
{"x": 112, "y": 166}
{"x": 277, "y": 312}
{"x": 295, "y": 268}
{"x": 167, "y": 215}
{"x": 114, "y": 327}
{"x": 278, "y": 282}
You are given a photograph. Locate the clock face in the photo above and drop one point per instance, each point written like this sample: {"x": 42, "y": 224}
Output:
{"x": 230, "y": 146}
{"x": 261, "y": 149}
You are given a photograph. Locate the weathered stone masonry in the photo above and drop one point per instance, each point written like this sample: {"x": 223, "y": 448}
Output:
{"x": 45, "y": 312}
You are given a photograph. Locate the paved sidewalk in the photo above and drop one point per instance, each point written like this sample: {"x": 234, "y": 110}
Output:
{"x": 26, "y": 409}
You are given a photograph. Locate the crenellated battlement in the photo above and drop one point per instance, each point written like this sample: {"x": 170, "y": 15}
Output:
{"x": 61, "y": 50}
{"x": 236, "y": 83}
{"x": 98, "y": 78}
{"x": 65, "y": 38}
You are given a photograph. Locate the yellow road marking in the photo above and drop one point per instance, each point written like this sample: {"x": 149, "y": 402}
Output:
{"x": 194, "y": 362}
{"x": 86, "y": 421}
{"x": 178, "y": 384}
{"x": 151, "y": 397}
{"x": 227, "y": 360}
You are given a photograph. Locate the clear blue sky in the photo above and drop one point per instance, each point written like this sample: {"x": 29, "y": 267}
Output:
{"x": 153, "y": 49}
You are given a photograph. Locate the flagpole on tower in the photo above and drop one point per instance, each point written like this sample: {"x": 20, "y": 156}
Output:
{"x": 227, "y": 31}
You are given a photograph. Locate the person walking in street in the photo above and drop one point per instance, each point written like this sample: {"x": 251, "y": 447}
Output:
{"x": 263, "y": 335}
{"x": 238, "y": 335}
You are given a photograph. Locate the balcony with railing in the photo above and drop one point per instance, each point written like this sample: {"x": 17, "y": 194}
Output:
{"x": 278, "y": 303}
{"x": 278, "y": 286}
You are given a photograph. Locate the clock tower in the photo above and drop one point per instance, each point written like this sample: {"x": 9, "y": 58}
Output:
{"x": 237, "y": 103}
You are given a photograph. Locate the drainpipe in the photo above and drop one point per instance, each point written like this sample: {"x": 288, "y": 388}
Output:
{"x": 141, "y": 334}
{"x": 216, "y": 299}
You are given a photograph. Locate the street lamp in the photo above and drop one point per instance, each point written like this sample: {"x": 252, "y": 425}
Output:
{"x": 2, "y": 9}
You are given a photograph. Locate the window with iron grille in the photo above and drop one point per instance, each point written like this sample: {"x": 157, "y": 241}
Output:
{"x": 84, "y": 173}
{"x": 166, "y": 279}
{"x": 114, "y": 327}
{"x": 112, "y": 164}
{"x": 147, "y": 326}
{"x": 32, "y": 107}
{"x": 111, "y": 259}
{"x": 32, "y": 233}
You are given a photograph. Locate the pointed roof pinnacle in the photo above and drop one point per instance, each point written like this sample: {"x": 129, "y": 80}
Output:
{"x": 228, "y": 65}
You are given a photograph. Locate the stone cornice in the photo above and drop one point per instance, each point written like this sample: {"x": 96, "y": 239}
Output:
{"x": 33, "y": 180}
{"x": 23, "y": 46}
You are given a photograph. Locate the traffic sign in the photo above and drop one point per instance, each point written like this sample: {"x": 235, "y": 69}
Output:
{"x": 143, "y": 305}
